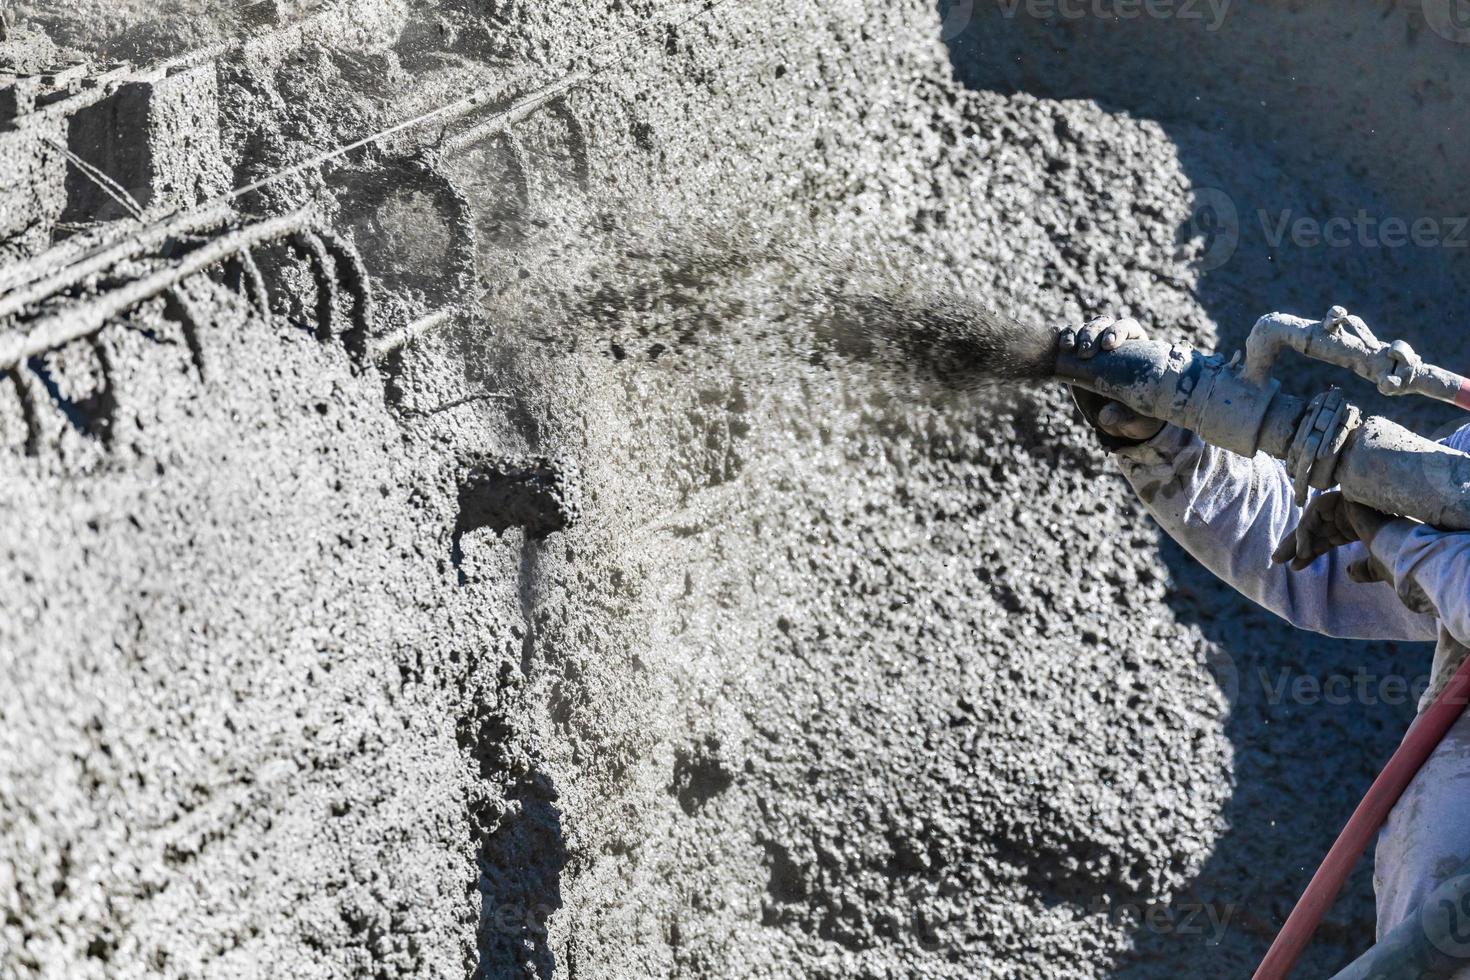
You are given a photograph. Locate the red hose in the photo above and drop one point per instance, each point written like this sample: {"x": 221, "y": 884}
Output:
{"x": 1419, "y": 742}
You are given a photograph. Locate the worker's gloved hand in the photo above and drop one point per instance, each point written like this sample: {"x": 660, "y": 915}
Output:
{"x": 1117, "y": 424}
{"x": 1329, "y": 521}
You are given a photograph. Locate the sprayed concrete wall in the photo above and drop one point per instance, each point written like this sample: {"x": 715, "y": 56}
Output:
{"x": 590, "y": 636}
{"x": 1380, "y": 88}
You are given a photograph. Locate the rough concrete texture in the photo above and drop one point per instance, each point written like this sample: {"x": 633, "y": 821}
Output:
{"x": 606, "y": 634}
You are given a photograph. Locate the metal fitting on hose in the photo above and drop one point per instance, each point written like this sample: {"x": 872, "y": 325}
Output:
{"x": 1373, "y": 460}
{"x": 1321, "y": 436}
{"x": 1345, "y": 340}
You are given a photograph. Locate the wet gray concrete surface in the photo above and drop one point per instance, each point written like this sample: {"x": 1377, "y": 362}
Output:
{"x": 590, "y": 621}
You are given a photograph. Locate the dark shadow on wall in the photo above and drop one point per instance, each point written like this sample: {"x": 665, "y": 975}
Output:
{"x": 1314, "y": 718}
{"x": 520, "y": 884}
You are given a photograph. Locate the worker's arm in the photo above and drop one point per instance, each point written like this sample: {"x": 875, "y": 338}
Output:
{"x": 1429, "y": 568}
{"x": 1230, "y": 513}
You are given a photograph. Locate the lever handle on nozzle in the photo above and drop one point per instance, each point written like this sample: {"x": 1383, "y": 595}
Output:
{"x": 1345, "y": 340}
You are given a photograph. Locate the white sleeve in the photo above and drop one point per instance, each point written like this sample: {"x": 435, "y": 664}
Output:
{"x": 1431, "y": 568}
{"x": 1230, "y": 513}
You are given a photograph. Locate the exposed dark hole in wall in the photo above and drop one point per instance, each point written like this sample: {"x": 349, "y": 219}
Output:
{"x": 107, "y": 136}
{"x": 699, "y": 775}
{"x": 787, "y": 884}
{"x": 421, "y": 230}
{"x": 530, "y": 494}
{"x": 147, "y": 144}
{"x": 534, "y": 495}
{"x": 78, "y": 381}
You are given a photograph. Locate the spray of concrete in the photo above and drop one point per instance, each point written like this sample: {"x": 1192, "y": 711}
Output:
{"x": 938, "y": 337}
{"x": 767, "y": 308}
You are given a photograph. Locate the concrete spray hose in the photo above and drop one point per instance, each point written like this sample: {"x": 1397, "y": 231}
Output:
{"x": 1325, "y": 442}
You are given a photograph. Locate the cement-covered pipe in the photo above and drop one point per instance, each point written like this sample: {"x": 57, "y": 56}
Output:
{"x": 1347, "y": 342}
{"x": 1383, "y": 464}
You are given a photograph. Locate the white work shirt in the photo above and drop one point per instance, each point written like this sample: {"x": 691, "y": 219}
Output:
{"x": 1230, "y": 513}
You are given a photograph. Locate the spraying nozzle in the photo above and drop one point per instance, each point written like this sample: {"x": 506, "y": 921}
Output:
{"x": 1197, "y": 391}
{"x": 1325, "y": 442}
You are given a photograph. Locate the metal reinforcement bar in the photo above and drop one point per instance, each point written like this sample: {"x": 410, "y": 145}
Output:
{"x": 93, "y": 90}
{"x": 160, "y": 228}
{"x": 47, "y": 274}
{"x": 43, "y": 277}
{"x": 89, "y": 316}
{"x": 520, "y": 110}
{"x": 400, "y": 339}
{"x": 479, "y": 97}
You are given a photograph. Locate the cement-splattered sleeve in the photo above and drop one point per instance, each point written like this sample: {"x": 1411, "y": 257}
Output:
{"x": 1431, "y": 568}
{"x": 1230, "y": 512}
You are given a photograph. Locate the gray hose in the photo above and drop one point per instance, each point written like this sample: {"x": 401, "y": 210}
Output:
{"x": 1382, "y": 464}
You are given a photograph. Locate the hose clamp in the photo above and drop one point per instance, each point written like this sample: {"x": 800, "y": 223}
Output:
{"x": 1330, "y": 419}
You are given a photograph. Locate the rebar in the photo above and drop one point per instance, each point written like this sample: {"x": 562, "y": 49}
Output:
{"x": 179, "y": 308}
{"x": 577, "y": 140}
{"x": 400, "y": 339}
{"x": 25, "y": 393}
{"x": 42, "y": 278}
{"x": 353, "y": 276}
{"x": 517, "y": 112}
{"x": 98, "y": 177}
{"x": 309, "y": 246}
{"x": 89, "y": 316}
{"x": 245, "y": 277}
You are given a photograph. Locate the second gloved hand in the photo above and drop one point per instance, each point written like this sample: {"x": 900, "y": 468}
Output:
{"x": 1329, "y": 521}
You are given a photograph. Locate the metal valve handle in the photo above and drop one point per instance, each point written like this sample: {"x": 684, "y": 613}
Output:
{"x": 1345, "y": 340}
